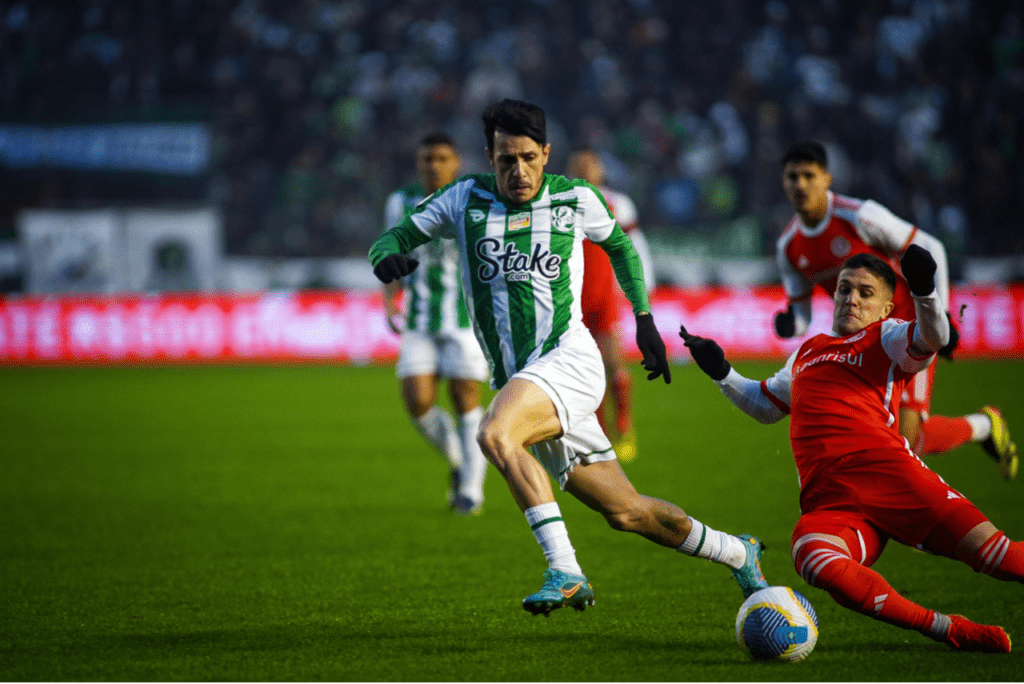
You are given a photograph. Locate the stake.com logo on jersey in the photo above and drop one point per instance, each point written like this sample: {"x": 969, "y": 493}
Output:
{"x": 515, "y": 264}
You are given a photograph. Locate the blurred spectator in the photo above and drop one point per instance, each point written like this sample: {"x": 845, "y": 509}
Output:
{"x": 314, "y": 104}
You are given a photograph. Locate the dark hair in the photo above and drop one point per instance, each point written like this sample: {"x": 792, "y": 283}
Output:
{"x": 516, "y": 118}
{"x": 437, "y": 138}
{"x": 806, "y": 151}
{"x": 875, "y": 265}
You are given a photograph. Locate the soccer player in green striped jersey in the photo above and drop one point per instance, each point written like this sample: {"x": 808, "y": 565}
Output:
{"x": 437, "y": 341}
{"x": 519, "y": 233}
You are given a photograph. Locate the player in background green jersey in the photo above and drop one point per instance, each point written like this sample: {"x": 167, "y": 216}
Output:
{"x": 437, "y": 342}
{"x": 520, "y": 233}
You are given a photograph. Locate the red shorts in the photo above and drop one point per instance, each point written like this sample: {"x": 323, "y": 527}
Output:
{"x": 917, "y": 394}
{"x": 600, "y": 299}
{"x": 888, "y": 495}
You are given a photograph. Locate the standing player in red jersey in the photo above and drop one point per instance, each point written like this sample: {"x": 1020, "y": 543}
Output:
{"x": 827, "y": 229}
{"x": 602, "y": 300}
{"x": 860, "y": 483}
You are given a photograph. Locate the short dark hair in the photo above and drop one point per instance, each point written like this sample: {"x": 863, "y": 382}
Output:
{"x": 516, "y": 118}
{"x": 437, "y": 138}
{"x": 873, "y": 264}
{"x": 806, "y": 151}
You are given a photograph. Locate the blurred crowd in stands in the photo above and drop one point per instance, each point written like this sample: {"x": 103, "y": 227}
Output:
{"x": 316, "y": 105}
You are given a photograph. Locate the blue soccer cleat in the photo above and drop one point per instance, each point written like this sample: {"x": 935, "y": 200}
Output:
{"x": 560, "y": 589}
{"x": 749, "y": 575}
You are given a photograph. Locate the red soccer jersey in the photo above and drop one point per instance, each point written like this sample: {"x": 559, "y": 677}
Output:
{"x": 815, "y": 255}
{"x": 601, "y": 297}
{"x": 845, "y": 395}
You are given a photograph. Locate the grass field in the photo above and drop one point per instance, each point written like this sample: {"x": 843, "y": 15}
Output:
{"x": 287, "y": 523}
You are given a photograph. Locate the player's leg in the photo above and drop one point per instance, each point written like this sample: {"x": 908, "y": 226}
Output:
{"x": 420, "y": 395}
{"x": 465, "y": 396}
{"x": 520, "y": 415}
{"x": 932, "y": 434}
{"x": 620, "y": 384}
{"x": 604, "y": 487}
{"x": 834, "y": 555}
{"x": 983, "y": 546}
{"x": 462, "y": 361}
{"x": 417, "y": 369}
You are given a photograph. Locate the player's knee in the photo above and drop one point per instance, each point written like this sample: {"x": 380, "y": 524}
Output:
{"x": 819, "y": 561}
{"x": 495, "y": 443}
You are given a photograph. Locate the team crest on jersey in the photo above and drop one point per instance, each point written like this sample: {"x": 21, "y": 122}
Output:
{"x": 519, "y": 221}
{"x": 476, "y": 215}
{"x": 841, "y": 247}
{"x": 803, "y": 261}
{"x": 563, "y": 218}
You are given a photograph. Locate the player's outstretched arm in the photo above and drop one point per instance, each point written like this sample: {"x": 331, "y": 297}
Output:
{"x": 750, "y": 396}
{"x": 932, "y": 330}
{"x": 387, "y": 253}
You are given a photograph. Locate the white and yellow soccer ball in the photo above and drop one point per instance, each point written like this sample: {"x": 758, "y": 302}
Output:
{"x": 777, "y": 623}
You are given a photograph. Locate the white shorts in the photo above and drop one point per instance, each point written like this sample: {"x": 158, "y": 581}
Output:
{"x": 572, "y": 375}
{"x": 449, "y": 355}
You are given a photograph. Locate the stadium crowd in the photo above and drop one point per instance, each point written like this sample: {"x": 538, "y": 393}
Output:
{"x": 316, "y": 105}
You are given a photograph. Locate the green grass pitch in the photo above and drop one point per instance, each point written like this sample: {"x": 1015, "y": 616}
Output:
{"x": 287, "y": 523}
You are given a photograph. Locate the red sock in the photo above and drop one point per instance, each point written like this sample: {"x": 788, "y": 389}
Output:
{"x": 622, "y": 384}
{"x": 859, "y": 588}
{"x": 942, "y": 433}
{"x": 1000, "y": 558}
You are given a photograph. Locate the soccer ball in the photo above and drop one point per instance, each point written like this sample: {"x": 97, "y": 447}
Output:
{"x": 777, "y": 623}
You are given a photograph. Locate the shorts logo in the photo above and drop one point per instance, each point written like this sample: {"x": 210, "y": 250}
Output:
{"x": 519, "y": 221}
{"x": 841, "y": 247}
{"x": 803, "y": 262}
{"x": 476, "y": 215}
{"x": 563, "y": 218}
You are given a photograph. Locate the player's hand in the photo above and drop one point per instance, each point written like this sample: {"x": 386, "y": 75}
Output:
{"x": 650, "y": 344}
{"x": 394, "y": 266}
{"x": 954, "y": 341}
{"x": 706, "y": 353}
{"x": 918, "y": 268}
{"x": 785, "y": 323}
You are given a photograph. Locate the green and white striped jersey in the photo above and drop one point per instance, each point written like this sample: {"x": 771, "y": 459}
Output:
{"x": 434, "y": 300}
{"x": 521, "y": 264}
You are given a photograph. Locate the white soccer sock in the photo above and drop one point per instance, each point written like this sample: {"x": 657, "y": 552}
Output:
{"x": 720, "y": 547}
{"x": 939, "y": 627}
{"x": 981, "y": 426}
{"x": 550, "y": 531}
{"x": 439, "y": 429}
{"x": 474, "y": 463}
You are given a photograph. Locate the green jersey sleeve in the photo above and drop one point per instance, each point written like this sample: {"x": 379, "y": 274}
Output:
{"x": 629, "y": 270}
{"x": 401, "y": 239}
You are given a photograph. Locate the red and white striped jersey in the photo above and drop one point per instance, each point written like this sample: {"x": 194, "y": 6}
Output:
{"x": 813, "y": 255}
{"x": 843, "y": 394}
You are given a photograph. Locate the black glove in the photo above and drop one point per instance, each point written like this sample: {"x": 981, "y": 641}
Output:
{"x": 785, "y": 323}
{"x": 394, "y": 266}
{"x": 918, "y": 268}
{"x": 706, "y": 353}
{"x": 954, "y": 340}
{"x": 649, "y": 342}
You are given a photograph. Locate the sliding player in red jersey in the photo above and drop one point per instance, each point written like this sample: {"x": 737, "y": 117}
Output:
{"x": 860, "y": 483}
{"x": 827, "y": 229}
{"x": 602, "y": 300}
